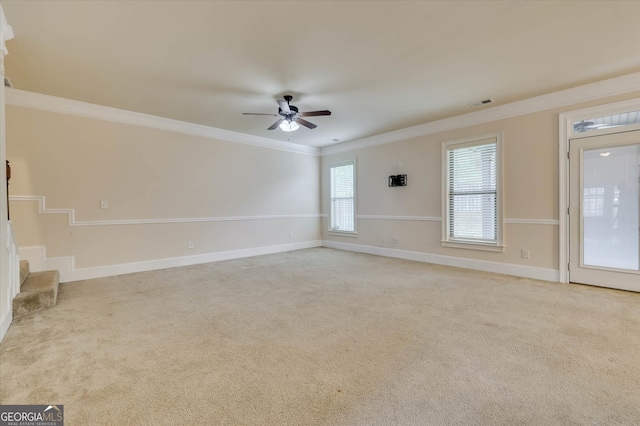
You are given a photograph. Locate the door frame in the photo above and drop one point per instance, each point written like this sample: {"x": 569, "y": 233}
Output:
{"x": 566, "y": 133}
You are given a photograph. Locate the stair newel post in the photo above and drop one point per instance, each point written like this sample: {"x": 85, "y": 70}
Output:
{"x": 8, "y": 177}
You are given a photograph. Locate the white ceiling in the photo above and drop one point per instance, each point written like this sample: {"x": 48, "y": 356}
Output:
{"x": 378, "y": 66}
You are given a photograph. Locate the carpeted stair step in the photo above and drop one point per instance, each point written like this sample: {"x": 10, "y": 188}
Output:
{"x": 24, "y": 271}
{"x": 40, "y": 291}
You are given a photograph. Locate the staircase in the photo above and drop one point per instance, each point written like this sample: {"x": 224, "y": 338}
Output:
{"x": 38, "y": 290}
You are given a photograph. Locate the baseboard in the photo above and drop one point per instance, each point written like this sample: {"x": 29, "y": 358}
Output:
{"x": 4, "y": 324}
{"x": 38, "y": 261}
{"x": 459, "y": 262}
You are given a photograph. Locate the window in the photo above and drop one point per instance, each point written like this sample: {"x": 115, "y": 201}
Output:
{"x": 343, "y": 211}
{"x": 472, "y": 200}
{"x": 629, "y": 118}
{"x": 593, "y": 202}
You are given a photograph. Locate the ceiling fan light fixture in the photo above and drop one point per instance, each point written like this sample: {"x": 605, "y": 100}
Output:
{"x": 291, "y": 118}
{"x": 289, "y": 126}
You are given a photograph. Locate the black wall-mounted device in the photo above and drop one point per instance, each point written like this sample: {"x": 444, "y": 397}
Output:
{"x": 398, "y": 180}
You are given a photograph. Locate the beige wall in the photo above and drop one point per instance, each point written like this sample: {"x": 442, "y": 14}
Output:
{"x": 530, "y": 155}
{"x": 150, "y": 174}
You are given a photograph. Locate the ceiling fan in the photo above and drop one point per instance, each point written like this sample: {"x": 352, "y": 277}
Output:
{"x": 291, "y": 116}
{"x": 583, "y": 126}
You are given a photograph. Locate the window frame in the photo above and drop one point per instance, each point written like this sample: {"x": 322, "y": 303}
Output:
{"x": 450, "y": 145}
{"x": 338, "y": 232}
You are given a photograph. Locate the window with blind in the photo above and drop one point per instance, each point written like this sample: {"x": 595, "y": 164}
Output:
{"x": 343, "y": 211}
{"x": 472, "y": 198}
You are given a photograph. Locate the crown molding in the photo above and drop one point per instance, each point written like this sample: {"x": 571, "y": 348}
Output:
{"x": 23, "y": 98}
{"x": 588, "y": 92}
{"x": 593, "y": 91}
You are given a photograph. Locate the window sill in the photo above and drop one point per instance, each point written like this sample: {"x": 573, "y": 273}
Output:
{"x": 474, "y": 246}
{"x": 343, "y": 234}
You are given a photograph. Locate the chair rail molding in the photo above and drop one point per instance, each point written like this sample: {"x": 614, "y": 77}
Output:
{"x": 519, "y": 221}
{"x": 71, "y": 215}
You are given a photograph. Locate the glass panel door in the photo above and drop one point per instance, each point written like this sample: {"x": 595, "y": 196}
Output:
{"x": 610, "y": 207}
{"x": 605, "y": 211}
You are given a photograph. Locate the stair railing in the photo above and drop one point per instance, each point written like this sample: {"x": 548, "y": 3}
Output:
{"x": 8, "y": 178}
{"x": 14, "y": 263}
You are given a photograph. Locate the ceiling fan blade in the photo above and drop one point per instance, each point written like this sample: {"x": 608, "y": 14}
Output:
{"x": 258, "y": 113}
{"x": 315, "y": 113}
{"x": 284, "y": 106}
{"x": 305, "y": 123}
{"x": 276, "y": 124}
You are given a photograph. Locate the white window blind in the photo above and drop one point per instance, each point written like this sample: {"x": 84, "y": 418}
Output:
{"x": 472, "y": 198}
{"x": 343, "y": 197}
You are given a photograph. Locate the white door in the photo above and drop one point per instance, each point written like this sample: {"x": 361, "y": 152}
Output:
{"x": 604, "y": 219}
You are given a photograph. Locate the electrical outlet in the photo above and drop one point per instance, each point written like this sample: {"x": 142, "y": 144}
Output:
{"x": 104, "y": 204}
{"x": 394, "y": 240}
{"x": 290, "y": 235}
{"x": 190, "y": 244}
{"x": 524, "y": 253}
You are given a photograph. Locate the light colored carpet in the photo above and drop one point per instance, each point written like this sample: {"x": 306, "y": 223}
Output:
{"x": 325, "y": 337}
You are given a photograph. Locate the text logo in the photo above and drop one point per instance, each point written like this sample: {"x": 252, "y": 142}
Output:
{"x": 31, "y": 415}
